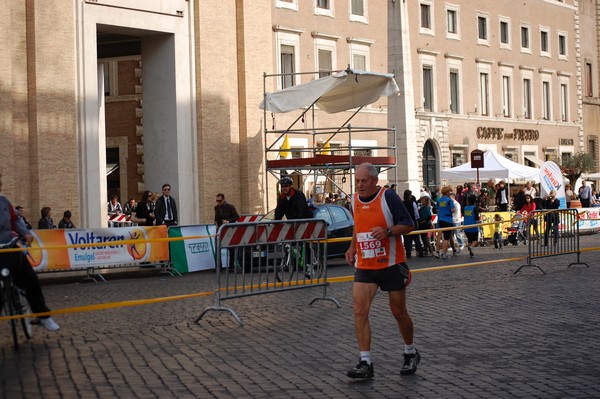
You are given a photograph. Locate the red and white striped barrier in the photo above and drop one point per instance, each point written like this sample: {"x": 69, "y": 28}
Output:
{"x": 119, "y": 220}
{"x": 119, "y": 217}
{"x": 235, "y": 234}
{"x": 250, "y": 218}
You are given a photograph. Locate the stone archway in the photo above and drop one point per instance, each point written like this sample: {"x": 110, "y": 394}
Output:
{"x": 430, "y": 166}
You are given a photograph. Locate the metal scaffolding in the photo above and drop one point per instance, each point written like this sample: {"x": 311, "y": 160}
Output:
{"x": 319, "y": 159}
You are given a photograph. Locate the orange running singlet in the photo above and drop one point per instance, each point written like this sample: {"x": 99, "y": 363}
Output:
{"x": 373, "y": 253}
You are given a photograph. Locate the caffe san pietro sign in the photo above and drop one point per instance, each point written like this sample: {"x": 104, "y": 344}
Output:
{"x": 498, "y": 133}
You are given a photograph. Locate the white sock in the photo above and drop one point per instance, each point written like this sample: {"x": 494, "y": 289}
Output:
{"x": 410, "y": 349}
{"x": 365, "y": 356}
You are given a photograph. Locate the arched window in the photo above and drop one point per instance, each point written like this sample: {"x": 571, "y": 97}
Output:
{"x": 430, "y": 175}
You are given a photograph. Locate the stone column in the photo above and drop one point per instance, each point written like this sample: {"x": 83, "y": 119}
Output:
{"x": 401, "y": 109}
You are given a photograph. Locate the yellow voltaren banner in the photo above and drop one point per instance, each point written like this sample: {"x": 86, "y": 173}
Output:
{"x": 72, "y": 249}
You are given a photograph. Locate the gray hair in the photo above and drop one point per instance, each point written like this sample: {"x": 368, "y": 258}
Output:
{"x": 370, "y": 168}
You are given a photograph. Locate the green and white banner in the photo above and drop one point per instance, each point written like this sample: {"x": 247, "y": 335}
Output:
{"x": 197, "y": 252}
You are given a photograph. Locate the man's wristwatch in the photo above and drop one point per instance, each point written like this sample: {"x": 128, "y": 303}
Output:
{"x": 389, "y": 232}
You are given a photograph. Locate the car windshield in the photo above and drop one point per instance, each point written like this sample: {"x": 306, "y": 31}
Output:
{"x": 323, "y": 213}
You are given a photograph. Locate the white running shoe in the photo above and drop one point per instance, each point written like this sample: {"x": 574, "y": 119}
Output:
{"x": 50, "y": 324}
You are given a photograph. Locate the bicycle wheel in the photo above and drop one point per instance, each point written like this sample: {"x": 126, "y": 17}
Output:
{"x": 11, "y": 311}
{"x": 22, "y": 307}
{"x": 314, "y": 270}
{"x": 284, "y": 267}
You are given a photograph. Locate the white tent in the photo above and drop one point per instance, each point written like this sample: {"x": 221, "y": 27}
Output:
{"x": 591, "y": 176}
{"x": 496, "y": 167}
{"x": 334, "y": 93}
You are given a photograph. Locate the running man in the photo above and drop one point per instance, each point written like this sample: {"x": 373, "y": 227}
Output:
{"x": 377, "y": 253}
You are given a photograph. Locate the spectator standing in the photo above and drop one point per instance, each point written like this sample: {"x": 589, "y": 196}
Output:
{"x": 457, "y": 221}
{"x": 144, "y": 210}
{"x": 471, "y": 217}
{"x": 491, "y": 189}
{"x": 114, "y": 206}
{"x": 21, "y": 212}
{"x": 66, "y": 222}
{"x": 594, "y": 202}
{"x": 468, "y": 191}
{"x": 23, "y": 274}
{"x": 166, "y": 208}
{"x": 530, "y": 190}
{"x": 378, "y": 256}
{"x": 526, "y": 210}
{"x": 519, "y": 199}
{"x": 152, "y": 201}
{"x": 291, "y": 203}
{"x": 129, "y": 207}
{"x": 459, "y": 194}
{"x": 498, "y": 231}
{"x": 224, "y": 211}
{"x": 569, "y": 194}
{"x": 425, "y": 223}
{"x": 585, "y": 194}
{"x": 502, "y": 197}
{"x": 413, "y": 210}
{"x": 482, "y": 201}
{"x": 46, "y": 222}
{"x": 551, "y": 218}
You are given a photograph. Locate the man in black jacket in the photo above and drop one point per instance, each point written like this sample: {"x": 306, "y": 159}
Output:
{"x": 166, "y": 208}
{"x": 224, "y": 211}
{"x": 291, "y": 203}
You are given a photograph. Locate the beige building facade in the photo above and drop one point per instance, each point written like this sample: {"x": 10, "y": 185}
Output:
{"x": 493, "y": 75}
{"x": 589, "y": 16}
{"x": 154, "y": 91}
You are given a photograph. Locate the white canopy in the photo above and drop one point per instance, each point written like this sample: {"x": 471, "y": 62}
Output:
{"x": 334, "y": 93}
{"x": 496, "y": 167}
{"x": 592, "y": 176}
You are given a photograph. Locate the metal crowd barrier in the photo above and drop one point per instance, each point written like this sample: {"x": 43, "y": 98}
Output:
{"x": 270, "y": 256}
{"x": 558, "y": 235}
{"x": 120, "y": 220}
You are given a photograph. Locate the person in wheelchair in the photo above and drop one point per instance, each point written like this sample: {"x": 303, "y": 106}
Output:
{"x": 24, "y": 276}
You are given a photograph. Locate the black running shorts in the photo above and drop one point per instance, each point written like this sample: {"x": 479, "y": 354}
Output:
{"x": 393, "y": 278}
{"x": 472, "y": 237}
{"x": 447, "y": 233}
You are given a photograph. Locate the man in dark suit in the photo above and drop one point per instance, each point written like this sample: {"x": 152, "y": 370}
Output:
{"x": 166, "y": 208}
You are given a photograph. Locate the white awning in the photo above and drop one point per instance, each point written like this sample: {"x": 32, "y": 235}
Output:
{"x": 335, "y": 93}
{"x": 536, "y": 161}
{"x": 496, "y": 167}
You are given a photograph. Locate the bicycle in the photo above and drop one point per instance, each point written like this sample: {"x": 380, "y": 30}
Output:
{"x": 293, "y": 260}
{"x": 12, "y": 299}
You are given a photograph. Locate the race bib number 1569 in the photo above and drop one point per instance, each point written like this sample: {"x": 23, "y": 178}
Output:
{"x": 369, "y": 246}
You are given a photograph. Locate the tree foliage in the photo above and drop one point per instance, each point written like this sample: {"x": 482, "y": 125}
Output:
{"x": 572, "y": 167}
